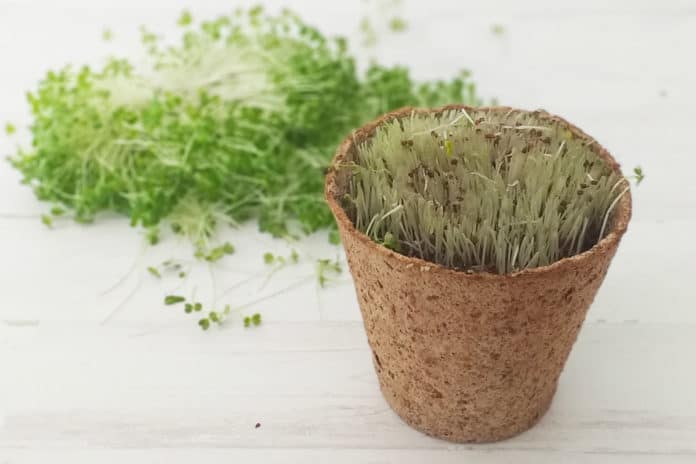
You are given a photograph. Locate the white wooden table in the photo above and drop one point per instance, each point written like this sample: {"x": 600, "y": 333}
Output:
{"x": 94, "y": 369}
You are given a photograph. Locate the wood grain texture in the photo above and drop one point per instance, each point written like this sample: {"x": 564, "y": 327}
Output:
{"x": 93, "y": 369}
{"x": 311, "y": 386}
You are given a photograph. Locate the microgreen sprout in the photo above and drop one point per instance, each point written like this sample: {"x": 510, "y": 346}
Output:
{"x": 254, "y": 319}
{"x": 217, "y": 253}
{"x": 638, "y": 174}
{"x": 173, "y": 299}
{"x": 279, "y": 260}
{"x": 334, "y": 237}
{"x": 185, "y": 19}
{"x": 368, "y": 33}
{"x": 397, "y": 24}
{"x": 498, "y": 30}
{"x": 57, "y": 211}
{"x": 154, "y": 271}
{"x": 10, "y": 128}
{"x": 47, "y": 220}
{"x": 390, "y": 242}
{"x": 152, "y": 235}
{"x": 217, "y": 317}
{"x": 170, "y": 267}
{"x": 326, "y": 267}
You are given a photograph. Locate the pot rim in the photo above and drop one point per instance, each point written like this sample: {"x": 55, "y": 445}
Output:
{"x": 619, "y": 224}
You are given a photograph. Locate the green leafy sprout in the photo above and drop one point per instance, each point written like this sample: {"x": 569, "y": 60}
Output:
{"x": 185, "y": 19}
{"x": 173, "y": 299}
{"x": 213, "y": 317}
{"x": 496, "y": 191}
{"x": 254, "y": 319}
{"x": 638, "y": 174}
{"x": 154, "y": 271}
{"x": 236, "y": 122}
{"x": 498, "y": 30}
{"x": 270, "y": 259}
{"x": 326, "y": 269}
{"x": 398, "y": 24}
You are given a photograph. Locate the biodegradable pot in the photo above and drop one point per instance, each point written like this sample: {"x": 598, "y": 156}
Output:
{"x": 461, "y": 356}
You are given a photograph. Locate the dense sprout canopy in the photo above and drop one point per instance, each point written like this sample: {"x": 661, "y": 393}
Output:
{"x": 492, "y": 190}
{"x": 237, "y": 121}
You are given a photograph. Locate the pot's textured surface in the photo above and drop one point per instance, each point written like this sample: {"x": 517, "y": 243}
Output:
{"x": 469, "y": 357}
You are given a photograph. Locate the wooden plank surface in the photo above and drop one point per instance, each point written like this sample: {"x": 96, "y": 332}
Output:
{"x": 93, "y": 368}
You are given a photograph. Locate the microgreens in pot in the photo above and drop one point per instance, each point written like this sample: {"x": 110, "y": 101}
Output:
{"x": 483, "y": 190}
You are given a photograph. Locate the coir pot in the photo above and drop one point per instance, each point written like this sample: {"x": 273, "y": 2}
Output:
{"x": 468, "y": 357}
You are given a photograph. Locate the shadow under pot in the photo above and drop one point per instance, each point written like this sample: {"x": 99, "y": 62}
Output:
{"x": 472, "y": 278}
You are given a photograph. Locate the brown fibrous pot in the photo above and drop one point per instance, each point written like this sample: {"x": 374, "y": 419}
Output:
{"x": 468, "y": 357}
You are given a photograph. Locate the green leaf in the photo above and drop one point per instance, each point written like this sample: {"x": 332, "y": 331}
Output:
{"x": 57, "y": 211}
{"x": 10, "y": 128}
{"x": 326, "y": 267}
{"x": 397, "y": 24}
{"x": 334, "y": 237}
{"x": 217, "y": 253}
{"x": 185, "y": 19}
{"x": 154, "y": 272}
{"x": 639, "y": 175}
{"x": 152, "y": 235}
{"x": 173, "y": 299}
{"x": 498, "y": 29}
{"x": 391, "y": 242}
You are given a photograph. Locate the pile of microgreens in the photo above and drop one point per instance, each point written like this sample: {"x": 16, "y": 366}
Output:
{"x": 495, "y": 191}
{"x": 237, "y": 122}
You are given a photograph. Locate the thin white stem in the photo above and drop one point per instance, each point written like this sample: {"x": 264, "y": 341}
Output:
{"x": 611, "y": 207}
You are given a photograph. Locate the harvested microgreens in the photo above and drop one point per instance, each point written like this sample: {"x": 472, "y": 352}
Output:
{"x": 495, "y": 191}
{"x": 238, "y": 121}
{"x": 213, "y": 316}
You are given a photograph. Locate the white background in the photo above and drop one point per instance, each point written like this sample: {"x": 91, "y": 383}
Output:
{"x": 94, "y": 369}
